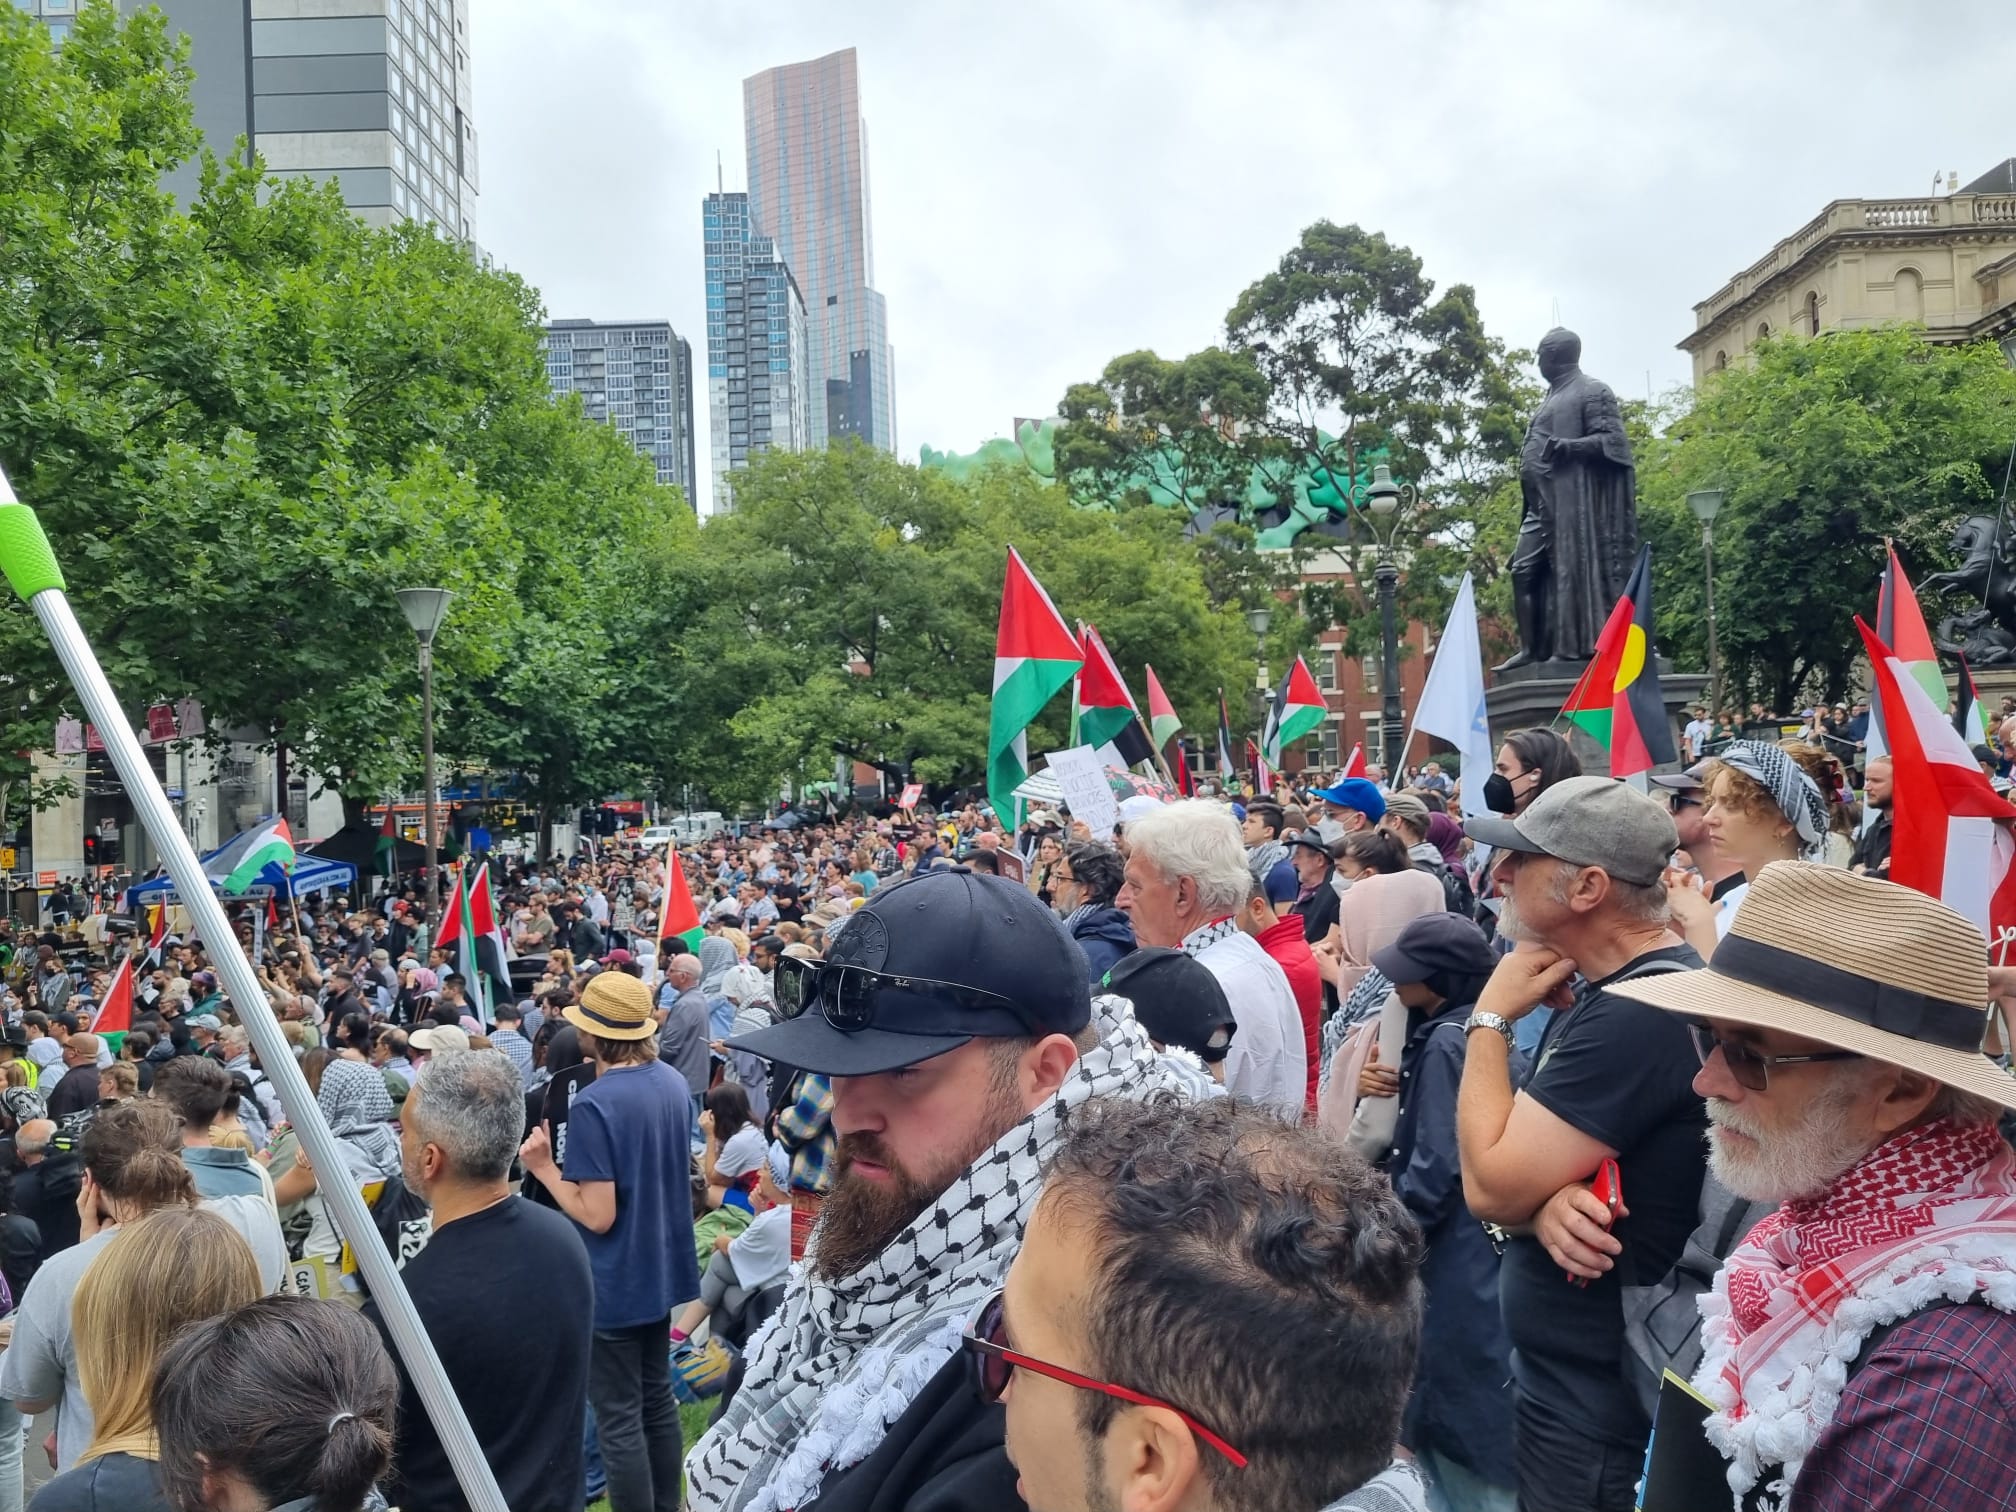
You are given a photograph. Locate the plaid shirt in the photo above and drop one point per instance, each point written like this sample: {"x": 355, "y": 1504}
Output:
{"x": 806, "y": 1128}
{"x": 1927, "y": 1425}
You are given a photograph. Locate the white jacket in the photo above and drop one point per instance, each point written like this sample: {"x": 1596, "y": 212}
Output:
{"x": 1268, "y": 1060}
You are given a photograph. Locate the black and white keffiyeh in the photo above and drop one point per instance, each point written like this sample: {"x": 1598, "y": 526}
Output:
{"x": 1797, "y": 795}
{"x": 843, "y": 1359}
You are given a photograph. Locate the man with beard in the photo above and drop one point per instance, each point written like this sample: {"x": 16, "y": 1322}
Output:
{"x": 1860, "y": 1343}
{"x": 1580, "y": 873}
{"x": 953, "y": 1015}
{"x": 1872, "y": 846}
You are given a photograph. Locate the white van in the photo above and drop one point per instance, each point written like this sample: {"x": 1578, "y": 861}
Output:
{"x": 689, "y": 828}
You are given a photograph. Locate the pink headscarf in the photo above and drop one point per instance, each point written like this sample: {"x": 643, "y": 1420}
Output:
{"x": 425, "y": 983}
{"x": 1373, "y": 913}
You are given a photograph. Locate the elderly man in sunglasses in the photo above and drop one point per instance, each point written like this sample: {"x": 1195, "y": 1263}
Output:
{"x": 1211, "y": 1313}
{"x": 954, "y": 1018}
{"x": 1859, "y": 1347}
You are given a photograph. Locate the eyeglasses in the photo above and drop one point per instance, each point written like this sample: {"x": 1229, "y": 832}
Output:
{"x": 994, "y": 1364}
{"x": 849, "y": 997}
{"x": 1750, "y": 1068}
{"x": 1680, "y": 801}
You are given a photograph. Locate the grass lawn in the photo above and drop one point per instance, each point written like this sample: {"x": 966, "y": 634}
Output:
{"x": 692, "y": 1423}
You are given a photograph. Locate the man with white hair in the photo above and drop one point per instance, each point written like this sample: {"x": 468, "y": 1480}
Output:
{"x": 1186, "y": 884}
{"x": 683, "y": 1042}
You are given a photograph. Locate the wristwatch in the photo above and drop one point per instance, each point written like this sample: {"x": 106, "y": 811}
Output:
{"x": 1482, "y": 1020}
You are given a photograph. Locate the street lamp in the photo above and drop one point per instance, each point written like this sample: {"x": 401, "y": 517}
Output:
{"x": 1257, "y": 620}
{"x": 1386, "y": 500}
{"x": 1706, "y": 504}
{"x": 425, "y": 608}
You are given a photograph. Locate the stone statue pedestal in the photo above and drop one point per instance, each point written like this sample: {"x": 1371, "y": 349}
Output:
{"x": 1532, "y": 695}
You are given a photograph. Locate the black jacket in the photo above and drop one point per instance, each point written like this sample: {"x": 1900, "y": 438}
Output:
{"x": 1872, "y": 848}
{"x": 46, "y": 1194}
{"x": 945, "y": 1454}
{"x": 1103, "y": 936}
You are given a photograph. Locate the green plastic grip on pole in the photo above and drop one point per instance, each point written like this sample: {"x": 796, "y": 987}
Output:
{"x": 24, "y": 552}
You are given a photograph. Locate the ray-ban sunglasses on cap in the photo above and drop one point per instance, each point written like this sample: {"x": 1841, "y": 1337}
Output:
{"x": 994, "y": 1365}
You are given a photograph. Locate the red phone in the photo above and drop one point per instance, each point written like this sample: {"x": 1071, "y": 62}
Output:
{"x": 1608, "y": 1188}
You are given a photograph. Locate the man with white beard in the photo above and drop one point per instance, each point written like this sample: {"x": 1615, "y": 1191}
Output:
{"x": 1860, "y": 1343}
{"x": 1580, "y": 873}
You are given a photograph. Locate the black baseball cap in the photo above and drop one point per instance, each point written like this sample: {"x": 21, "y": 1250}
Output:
{"x": 1433, "y": 943}
{"x": 1176, "y": 999}
{"x": 982, "y": 958}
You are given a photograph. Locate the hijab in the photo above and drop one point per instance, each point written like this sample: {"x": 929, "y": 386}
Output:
{"x": 716, "y": 956}
{"x": 359, "y": 1110}
{"x": 1446, "y": 835}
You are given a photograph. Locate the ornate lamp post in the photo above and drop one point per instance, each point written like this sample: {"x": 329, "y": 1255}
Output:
{"x": 1706, "y": 504}
{"x": 1387, "y": 503}
{"x": 1257, "y": 620}
{"x": 425, "y": 608}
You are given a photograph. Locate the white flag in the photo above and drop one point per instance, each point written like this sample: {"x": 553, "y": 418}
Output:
{"x": 1452, "y": 704}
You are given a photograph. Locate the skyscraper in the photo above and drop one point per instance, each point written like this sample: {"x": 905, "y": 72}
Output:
{"x": 808, "y": 187}
{"x": 374, "y": 94}
{"x": 758, "y": 380}
{"x": 637, "y": 376}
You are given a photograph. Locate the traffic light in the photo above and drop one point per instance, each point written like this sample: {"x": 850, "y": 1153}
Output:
{"x": 90, "y": 850}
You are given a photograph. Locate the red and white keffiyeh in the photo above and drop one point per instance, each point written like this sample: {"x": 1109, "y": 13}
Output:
{"x": 1928, "y": 1216}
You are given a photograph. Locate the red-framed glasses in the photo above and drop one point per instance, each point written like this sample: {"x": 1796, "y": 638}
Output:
{"x": 994, "y": 1365}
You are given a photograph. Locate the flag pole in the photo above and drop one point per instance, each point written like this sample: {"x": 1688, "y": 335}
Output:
{"x": 31, "y": 569}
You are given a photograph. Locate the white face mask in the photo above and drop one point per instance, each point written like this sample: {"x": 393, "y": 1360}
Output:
{"x": 1341, "y": 883}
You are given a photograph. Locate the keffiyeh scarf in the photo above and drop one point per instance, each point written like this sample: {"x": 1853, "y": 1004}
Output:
{"x": 358, "y": 1108}
{"x": 843, "y": 1359}
{"x": 1797, "y": 795}
{"x": 1929, "y": 1216}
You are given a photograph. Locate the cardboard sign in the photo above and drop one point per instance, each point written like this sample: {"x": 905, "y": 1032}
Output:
{"x": 1082, "y": 779}
{"x": 309, "y": 1278}
{"x": 911, "y": 793}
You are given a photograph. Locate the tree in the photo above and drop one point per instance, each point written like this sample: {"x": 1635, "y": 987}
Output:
{"x": 1823, "y": 447}
{"x": 847, "y": 608}
{"x": 1153, "y": 431}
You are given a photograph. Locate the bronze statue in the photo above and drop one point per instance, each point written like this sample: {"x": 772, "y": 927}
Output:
{"x": 1578, "y": 534}
{"x": 1987, "y": 573}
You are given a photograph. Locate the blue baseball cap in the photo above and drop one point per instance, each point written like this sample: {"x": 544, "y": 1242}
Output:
{"x": 1281, "y": 883}
{"x": 1358, "y": 793}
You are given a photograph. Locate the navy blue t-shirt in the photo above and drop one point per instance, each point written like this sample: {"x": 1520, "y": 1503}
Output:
{"x": 634, "y": 1126}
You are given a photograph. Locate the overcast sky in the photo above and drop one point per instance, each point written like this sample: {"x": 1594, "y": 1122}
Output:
{"x": 1055, "y": 182}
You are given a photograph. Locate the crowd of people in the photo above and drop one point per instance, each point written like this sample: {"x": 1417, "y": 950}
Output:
{"x": 1308, "y": 1150}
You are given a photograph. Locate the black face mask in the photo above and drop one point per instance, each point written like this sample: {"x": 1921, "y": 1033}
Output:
{"x": 1498, "y": 794}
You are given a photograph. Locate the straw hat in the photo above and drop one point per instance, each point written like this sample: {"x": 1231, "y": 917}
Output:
{"x": 1854, "y": 963}
{"x": 614, "y": 1006}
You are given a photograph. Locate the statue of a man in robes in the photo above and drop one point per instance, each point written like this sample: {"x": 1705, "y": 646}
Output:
{"x": 1578, "y": 534}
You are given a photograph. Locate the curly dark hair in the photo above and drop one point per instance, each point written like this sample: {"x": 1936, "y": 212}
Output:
{"x": 1216, "y": 1232}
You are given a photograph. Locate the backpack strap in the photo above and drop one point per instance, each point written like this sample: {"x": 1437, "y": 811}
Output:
{"x": 1879, "y": 1336}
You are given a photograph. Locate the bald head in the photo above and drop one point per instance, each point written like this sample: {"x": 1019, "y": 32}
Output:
{"x": 684, "y": 969}
{"x": 31, "y": 1140}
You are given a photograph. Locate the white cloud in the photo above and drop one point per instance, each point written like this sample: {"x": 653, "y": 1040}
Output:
{"x": 1055, "y": 183}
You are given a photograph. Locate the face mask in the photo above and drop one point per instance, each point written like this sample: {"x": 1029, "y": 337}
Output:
{"x": 1340, "y": 883}
{"x": 1498, "y": 794}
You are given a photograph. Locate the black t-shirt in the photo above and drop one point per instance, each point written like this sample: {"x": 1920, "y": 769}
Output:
{"x": 76, "y": 1093}
{"x": 507, "y": 1297}
{"x": 556, "y": 1100}
{"x": 1621, "y": 1072}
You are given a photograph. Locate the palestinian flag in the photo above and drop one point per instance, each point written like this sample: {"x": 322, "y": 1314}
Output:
{"x": 679, "y": 920}
{"x": 1297, "y": 709}
{"x": 157, "y": 932}
{"x": 238, "y": 864}
{"x": 1900, "y": 625}
{"x": 1106, "y": 711}
{"x": 1263, "y": 775}
{"x": 1617, "y": 701}
{"x": 1225, "y": 767}
{"x": 1163, "y": 725}
{"x": 1035, "y": 654}
{"x": 115, "y": 1015}
{"x": 470, "y": 934}
{"x": 1967, "y": 709}
{"x": 1950, "y": 836}
{"x": 1355, "y": 765}
{"x": 385, "y": 854}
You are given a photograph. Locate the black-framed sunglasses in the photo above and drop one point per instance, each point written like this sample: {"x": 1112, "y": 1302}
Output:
{"x": 1751, "y": 1068}
{"x": 849, "y": 997}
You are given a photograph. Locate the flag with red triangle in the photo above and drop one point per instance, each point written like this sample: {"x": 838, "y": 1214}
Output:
{"x": 1166, "y": 730}
{"x": 1900, "y": 625}
{"x": 1297, "y": 709}
{"x": 1106, "y": 711}
{"x": 1967, "y": 718}
{"x": 1035, "y": 655}
{"x": 469, "y": 933}
{"x": 386, "y": 849}
{"x": 115, "y": 1015}
{"x": 1354, "y": 765}
{"x": 157, "y": 931}
{"x": 1950, "y": 830}
{"x": 679, "y": 919}
{"x": 1263, "y": 775}
{"x": 1617, "y": 701}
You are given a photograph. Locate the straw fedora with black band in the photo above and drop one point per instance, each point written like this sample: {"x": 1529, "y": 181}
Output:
{"x": 1851, "y": 962}
{"x": 613, "y": 1006}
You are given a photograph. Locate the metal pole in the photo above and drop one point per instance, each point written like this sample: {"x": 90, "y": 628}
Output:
{"x": 431, "y": 888}
{"x": 31, "y": 569}
{"x": 1714, "y": 650}
{"x": 1390, "y": 714}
